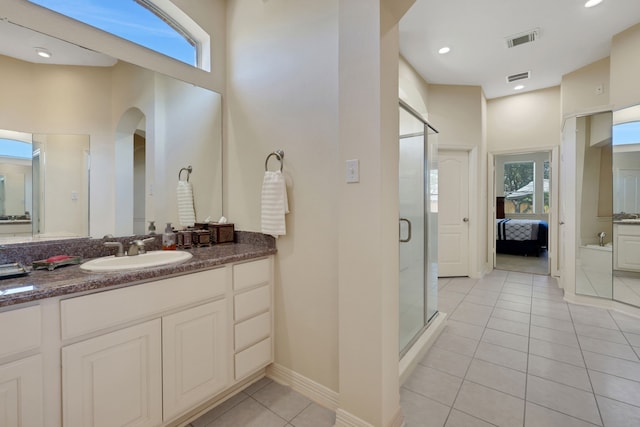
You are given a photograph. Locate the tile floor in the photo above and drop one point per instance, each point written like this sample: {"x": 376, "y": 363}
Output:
{"x": 513, "y": 354}
{"x": 267, "y": 404}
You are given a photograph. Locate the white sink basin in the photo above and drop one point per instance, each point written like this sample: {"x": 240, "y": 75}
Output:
{"x": 146, "y": 260}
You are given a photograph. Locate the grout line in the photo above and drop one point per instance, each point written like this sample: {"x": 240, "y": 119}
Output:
{"x": 588, "y": 375}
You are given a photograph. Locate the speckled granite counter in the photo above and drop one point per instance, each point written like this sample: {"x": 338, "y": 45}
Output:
{"x": 40, "y": 284}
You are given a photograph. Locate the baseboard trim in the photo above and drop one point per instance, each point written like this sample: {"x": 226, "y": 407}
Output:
{"x": 419, "y": 349}
{"x": 346, "y": 419}
{"x": 320, "y": 394}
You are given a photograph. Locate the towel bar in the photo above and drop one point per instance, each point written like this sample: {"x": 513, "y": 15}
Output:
{"x": 189, "y": 169}
{"x": 279, "y": 155}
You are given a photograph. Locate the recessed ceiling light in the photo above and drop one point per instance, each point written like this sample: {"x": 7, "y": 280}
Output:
{"x": 591, "y": 3}
{"x": 519, "y": 87}
{"x": 444, "y": 50}
{"x": 43, "y": 52}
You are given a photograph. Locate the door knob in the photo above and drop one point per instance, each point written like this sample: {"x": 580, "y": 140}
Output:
{"x": 465, "y": 219}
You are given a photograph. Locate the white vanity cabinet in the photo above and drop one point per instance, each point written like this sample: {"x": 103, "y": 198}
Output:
{"x": 114, "y": 379}
{"x": 253, "y": 318}
{"x": 21, "y": 376}
{"x": 147, "y": 355}
{"x": 195, "y": 356}
{"x": 627, "y": 247}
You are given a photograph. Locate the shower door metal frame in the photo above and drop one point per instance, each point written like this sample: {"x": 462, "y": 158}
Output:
{"x": 427, "y": 199}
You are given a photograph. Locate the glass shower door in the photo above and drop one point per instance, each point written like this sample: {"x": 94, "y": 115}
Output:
{"x": 418, "y": 277}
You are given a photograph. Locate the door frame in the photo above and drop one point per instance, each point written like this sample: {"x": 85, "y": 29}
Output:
{"x": 552, "y": 242}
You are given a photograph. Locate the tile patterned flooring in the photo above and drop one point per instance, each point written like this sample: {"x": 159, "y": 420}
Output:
{"x": 267, "y": 404}
{"x": 513, "y": 354}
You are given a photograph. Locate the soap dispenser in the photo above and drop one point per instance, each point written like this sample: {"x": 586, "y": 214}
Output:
{"x": 168, "y": 239}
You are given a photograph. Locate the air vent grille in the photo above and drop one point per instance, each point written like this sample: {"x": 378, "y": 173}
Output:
{"x": 523, "y": 38}
{"x": 519, "y": 76}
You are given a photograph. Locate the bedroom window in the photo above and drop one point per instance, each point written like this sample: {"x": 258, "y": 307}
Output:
{"x": 519, "y": 187}
{"x": 158, "y": 25}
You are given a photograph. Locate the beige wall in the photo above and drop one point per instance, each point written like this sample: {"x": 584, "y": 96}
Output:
{"x": 413, "y": 89}
{"x": 456, "y": 111}
{"x": 625, "y": 68}
{"x": 524, "y": 121}
{"x": 580, "y": 89}
{"x": 283, "y": 94}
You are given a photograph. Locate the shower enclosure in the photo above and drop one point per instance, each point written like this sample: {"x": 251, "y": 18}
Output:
{"x": 418, "y": 228}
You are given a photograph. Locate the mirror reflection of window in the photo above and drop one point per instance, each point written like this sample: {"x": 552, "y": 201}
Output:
{"x": 15, "y": 182}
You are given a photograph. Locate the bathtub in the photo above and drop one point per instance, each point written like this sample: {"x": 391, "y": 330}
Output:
{"x": 596, "y": 257}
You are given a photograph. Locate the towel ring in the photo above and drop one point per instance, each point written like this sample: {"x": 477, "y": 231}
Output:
{"x": 189, "y": 169}
{"x": 279, "y": 155}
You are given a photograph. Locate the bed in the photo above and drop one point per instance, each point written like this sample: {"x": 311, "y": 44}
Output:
{"x": 521, "y": 236}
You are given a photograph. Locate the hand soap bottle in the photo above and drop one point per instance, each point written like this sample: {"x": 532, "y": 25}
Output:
{"x": 168, "y": 239}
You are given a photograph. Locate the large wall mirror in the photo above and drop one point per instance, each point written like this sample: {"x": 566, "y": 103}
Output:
{"x": 626, "y": 205}
{"x": 139, "y": 128}
{"x": 608, "y": 205}
{"x": 594, "y": 201}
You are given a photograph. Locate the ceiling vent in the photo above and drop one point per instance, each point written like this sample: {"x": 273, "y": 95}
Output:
{"x": 519, "y": 76}
{"x": 523, "y": 38}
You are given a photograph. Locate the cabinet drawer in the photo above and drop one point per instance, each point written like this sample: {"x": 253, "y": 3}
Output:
{"x": 20, "y": 330}
{"x": 253, "y": 330}
{"x": 253, "y": 358}
{"x": 90, "y": 313}
{"x": 251, "y": 274}
{"x": 250, "y": 303}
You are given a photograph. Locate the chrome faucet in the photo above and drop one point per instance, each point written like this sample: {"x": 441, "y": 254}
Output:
{"x": 137, "y": 246}
{"x": 118, "y": 245}
{"x": 601, "y": 236}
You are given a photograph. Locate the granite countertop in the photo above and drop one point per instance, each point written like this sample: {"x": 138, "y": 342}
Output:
{"x": 627, "y": 221}
{"x": 66, "y": 280}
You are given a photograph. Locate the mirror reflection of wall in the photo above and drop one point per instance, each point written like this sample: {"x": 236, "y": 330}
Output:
{"x": 594, "y": 200}
{"x": 182, "y": 126}
{"x": 626, "y": 204}
{"x": 15, "y": 184}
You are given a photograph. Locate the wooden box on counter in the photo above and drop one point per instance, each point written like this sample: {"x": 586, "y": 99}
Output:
{"x": 220, "y": 233}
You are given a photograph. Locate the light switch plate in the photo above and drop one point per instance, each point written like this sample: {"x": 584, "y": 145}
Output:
{"x": 353, "y": 171}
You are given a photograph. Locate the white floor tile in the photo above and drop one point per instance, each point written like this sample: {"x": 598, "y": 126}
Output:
{"x": 490, "y": 405}
{"x": 568, "y": 400}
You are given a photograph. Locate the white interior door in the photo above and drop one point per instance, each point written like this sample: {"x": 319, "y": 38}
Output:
{"x": 453, "y": 213}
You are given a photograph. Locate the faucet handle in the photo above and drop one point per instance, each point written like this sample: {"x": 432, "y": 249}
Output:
{"x": 137, "y": 246}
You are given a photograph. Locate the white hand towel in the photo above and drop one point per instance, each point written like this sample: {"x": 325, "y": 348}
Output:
{"x": 186, "y": 212}
{"x": 274, "y": 204}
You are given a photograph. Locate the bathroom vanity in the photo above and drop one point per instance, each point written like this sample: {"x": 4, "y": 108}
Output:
{"x": 151, "y": 347}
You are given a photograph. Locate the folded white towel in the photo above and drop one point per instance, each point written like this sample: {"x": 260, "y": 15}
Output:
{"x": 274, "y": 204}
{"x": 186, "y": 212}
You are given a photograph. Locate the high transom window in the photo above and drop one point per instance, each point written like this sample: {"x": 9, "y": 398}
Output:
{"x": 158, "y": 25}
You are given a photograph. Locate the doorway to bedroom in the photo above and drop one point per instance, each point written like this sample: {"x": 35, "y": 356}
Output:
{"x": 522, "y": 209}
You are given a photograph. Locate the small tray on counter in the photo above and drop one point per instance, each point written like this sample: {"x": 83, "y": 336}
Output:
{"x": 14, "y": 269}
{"x": 56, "y": 261}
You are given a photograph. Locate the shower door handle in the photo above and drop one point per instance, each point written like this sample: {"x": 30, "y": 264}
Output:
{"x": 408, "y": 229}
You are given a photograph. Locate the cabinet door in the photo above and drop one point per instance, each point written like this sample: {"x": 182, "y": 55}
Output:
{"x": 196, "y": 355}
{"x": 21, "y": 393}
{"x": 114, "y": 379}
{"x": 627, "y": 252}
